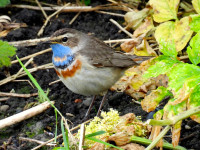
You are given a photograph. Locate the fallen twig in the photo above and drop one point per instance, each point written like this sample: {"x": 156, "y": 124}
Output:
{"x": 32, "y": 55}
{"x": 24, "y": 115}
{"x": 54, "y": 82}
{"x": 10, "y": 78}
{"x": 75, "y": 17}
{"x": 74, "y": 8}
{"x": 18, "y": 95}
{"x": 121, "y": 28}
{"x": 4, "y": 99}
{"x": 82, "y": 136}
{"x": 110, "y": 13}
{"x": 35, "y": 141}
{"x": 49, "y": 17}
{"x": 43, "y": 12}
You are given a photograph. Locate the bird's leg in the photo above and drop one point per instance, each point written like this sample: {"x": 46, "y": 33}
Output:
{"x": 91, "y": 104}
{"x": 101, "y": 105}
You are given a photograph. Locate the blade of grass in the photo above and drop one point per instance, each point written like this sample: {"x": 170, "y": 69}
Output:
{"x": 95, "y": 134}
{"x": 56, "y": 125}
{"x": 65, "y": 136}
{"x": 102, "y": 142}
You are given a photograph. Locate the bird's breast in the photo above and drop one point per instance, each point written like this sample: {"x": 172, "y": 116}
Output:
{"x": 85, "y": 79}
{"x": 69, "y": 71}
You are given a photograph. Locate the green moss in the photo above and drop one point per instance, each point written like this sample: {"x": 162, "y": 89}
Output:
{"x": 30, "y": 134}
{"x": 25, "y": 90}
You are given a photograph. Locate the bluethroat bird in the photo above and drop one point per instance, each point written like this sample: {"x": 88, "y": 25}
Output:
{"x": 86, "y": 65}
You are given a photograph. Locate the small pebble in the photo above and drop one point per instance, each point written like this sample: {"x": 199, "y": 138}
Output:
{"x": 187, "y": 127}
{"x": 4, "y": 108}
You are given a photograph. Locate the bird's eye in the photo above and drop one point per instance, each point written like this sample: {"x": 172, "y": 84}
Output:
{"x": 64, "y": 39}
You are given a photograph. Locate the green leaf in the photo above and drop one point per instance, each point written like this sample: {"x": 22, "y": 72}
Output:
{"x": 102, "y": 142}
{"x": 168, "y": 48}
{"x": 163, "y": 65}
{"x": 95, "y": 134}
{"x": 195, "y": 24}
{"x": 194, "y": 101}
{"x": 179, "y": 74}
{"x": 194, "y": 49}
{"x": 171, "y": 110}
{"x": 164, "y": 10}
{"x": 188, "y": 86}
{"x": 4, "y": 3}
{"x": 6, "y": 51}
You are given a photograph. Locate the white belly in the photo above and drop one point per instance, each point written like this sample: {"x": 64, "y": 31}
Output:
{"x": 92, "y": 82}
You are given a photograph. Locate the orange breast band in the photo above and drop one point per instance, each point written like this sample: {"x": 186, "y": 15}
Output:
{"x": 70, "y": 73}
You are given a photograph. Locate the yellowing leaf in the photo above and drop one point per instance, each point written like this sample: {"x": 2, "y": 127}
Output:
{"x": 194, "y": 101}
{"x": 145, "y": 27}
{"x": 151, "y": 101}
{"x": 196, "y": 5}
{"x": 134, "y": 19}
{"x": 144, "y": 49}
{"x": 164, "y": 10}
{"x": 178, "y": 31}
{"x": 182, "y": 33}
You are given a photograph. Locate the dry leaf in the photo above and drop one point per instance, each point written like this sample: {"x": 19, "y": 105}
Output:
{"x": 119, "y": 138}
{"x": 134, "y": 19}
{"x": 144, "y": 28}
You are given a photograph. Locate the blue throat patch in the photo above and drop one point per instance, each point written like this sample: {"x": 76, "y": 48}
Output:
{"x": 62, "y": 56}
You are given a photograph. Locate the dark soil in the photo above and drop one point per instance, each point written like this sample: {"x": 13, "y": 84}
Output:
{"x": 90, "y": 22}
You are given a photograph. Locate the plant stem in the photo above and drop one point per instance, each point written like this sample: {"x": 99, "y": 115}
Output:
{"x": 175, "y": 119}
{"x": 147, "y": 142}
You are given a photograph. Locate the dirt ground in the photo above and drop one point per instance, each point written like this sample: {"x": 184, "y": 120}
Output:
{"x": 88, "y": 22}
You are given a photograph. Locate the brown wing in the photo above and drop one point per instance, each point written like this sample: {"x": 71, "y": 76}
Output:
{"x": 101, "y": 55}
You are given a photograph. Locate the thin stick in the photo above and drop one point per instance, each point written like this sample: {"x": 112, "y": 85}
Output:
{"x": 4, "y": 99}
{"x": 110, "y": 13}
{"x": 43, "y": 12}
{"x": 32, "y": 55}
{"x": 74, "y": 8}
{"x": 18, "y": 95}
{"x": 24, "y": 115}
{"x": 121, "y": 28}
{"x": 30, "y": 42}
{"x": 82, "y": 136}
{"x": 118, "y": 40}
{"x": 24, "y": 81}
{"x": 75, "y": 17}
{"x": 34, "y": 140}
{"x": 60, "y": 135}
{"x": 49, "y": 17}
{"x": 54, "y": 82}
{"x": 10, "y": 78}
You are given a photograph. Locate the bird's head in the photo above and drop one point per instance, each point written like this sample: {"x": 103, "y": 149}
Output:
{"x": 64, "y": 44}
